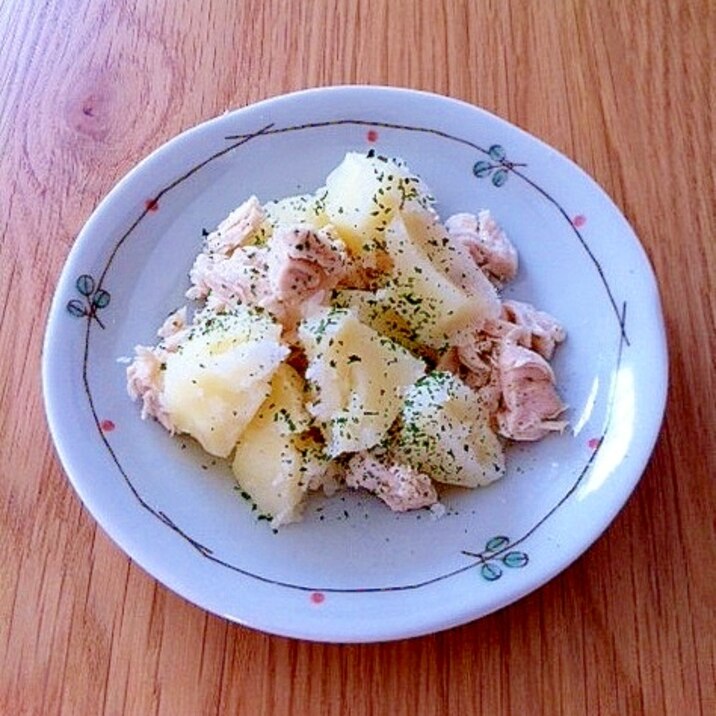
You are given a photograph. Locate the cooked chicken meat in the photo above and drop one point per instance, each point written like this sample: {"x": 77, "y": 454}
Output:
{"x": 174, "y": 330}
{"x": 144, "y": 381}
{"x": 530, "y": 405}
{"x": 237, "y": 228}
{"x": 296, "y": 264}
{"x": 401, "y": 487}
{"x": 539, "y": 330}
{"x": 301, "y": 262}
{"x": 487, "y": 243}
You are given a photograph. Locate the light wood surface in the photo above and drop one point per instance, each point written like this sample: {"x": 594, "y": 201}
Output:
{"x": 626, "y": 89}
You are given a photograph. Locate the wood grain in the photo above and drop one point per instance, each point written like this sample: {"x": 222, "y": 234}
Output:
{"x": 626, "y": 89}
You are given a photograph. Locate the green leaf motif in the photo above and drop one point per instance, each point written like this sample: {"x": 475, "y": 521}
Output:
{"x": 497, "y": 152}
{"x": 482, "y": 169}
{"x": 496, "y": 543}
{"x": 76, "y": 308}
{"x": 85, "y": 284}
{"x": 101, "y": 299}
{"x": 490, "y": 572}
{"x": 515, "y": 559}
{"x": 499, "y": 177}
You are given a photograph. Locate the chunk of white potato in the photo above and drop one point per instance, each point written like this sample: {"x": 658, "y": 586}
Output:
{"x": 445, "y": 432}
{"x": 275, "y": 461}
{"x": 219, "y": 376}
{"x": 451, "y": 258}
{"x": 364, "y": 191}
{"x": 371, "y": 310}
{"x": 358, "y": 378}
{"x": 432, "y": 305}
{"x": 308, "y": 209}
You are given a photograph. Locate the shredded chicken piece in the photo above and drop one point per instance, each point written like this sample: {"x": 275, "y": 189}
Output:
{"x": 236, "y": 228}
{"x": 401, "y": 487}
{"x": 481, "y": 352}
{"x": 540, "y": 331}
{"x": 449, "y": 361}
{"x": 477, "y": 356}
{"x": 199, "y": 275}
{"x": 474, "y": 363}
{"x": 227, "y": 281}
{"x": 174, "y": 330}
{"x": 487, "y": 243}
{"x": 490, "y": 393}
{"x": 505, "y": 363}
{"x": 145, "y": 381}
{"x": 287, "y": 277}
{"x": 302, "y": 266}
{"x": 303, "y": 261}
{"x": 329, "y": 480}
{"x": 367, "y": 272}
{"x": 530, "y": 403}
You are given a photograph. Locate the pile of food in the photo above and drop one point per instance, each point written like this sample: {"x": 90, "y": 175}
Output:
{"x": 349, "y": 338}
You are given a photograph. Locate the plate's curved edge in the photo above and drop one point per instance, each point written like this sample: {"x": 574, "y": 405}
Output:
{"x": 67, "y": 275}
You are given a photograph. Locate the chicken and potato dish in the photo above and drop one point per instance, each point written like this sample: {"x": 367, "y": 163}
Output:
{"x": 350, "y": 338}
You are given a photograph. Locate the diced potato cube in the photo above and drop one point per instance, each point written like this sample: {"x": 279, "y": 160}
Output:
{"x": 219, "y": 376}
{"x": 363, "y": 193}
{"x": 358, "y": 378}
{"x": 275, "y": 461}
{"x": 432, "y": 305}
{"x": 445, "y": 433}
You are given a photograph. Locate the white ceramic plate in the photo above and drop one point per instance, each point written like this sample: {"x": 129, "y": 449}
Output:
{"x": 354, "y": 571}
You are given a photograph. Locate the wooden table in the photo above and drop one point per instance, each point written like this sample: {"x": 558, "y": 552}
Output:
{"x": 626, "y": 89}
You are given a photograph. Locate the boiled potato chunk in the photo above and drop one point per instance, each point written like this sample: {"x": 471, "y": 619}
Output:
{"x": 445, "y": 433}
{"x": 219, "y": 376}
{"x": 451, "y": 258}
{"x": 363, "y": 193}
{"x": 371, "y": 310}
{"x": 274, "y": 461}
{"x": 306, "y": 209}
{"x": 432, "y": 305}
{"x": 358, "y": 378}
{"x": 287, "y": 401}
